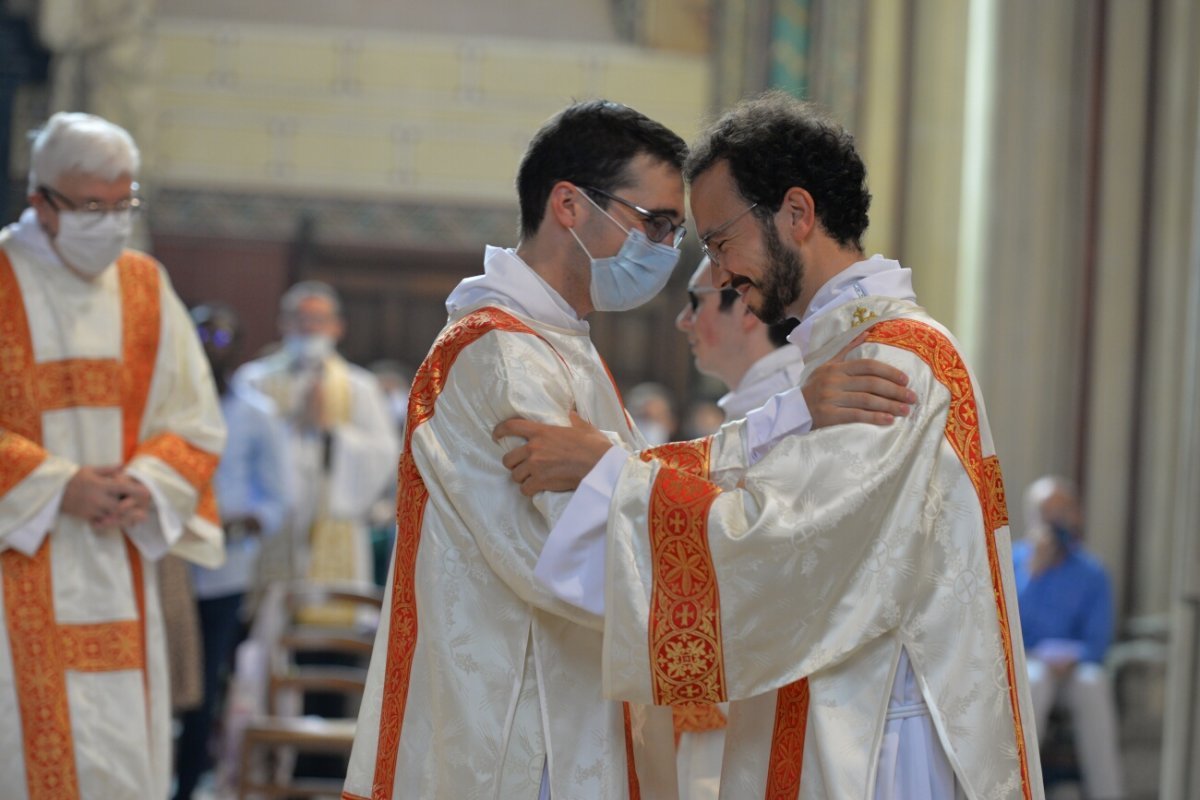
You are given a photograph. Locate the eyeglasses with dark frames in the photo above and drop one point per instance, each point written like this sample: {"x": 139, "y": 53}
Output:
{"x": 724, "y": 226}
{"x": 658, "y": 226}
{"x": 60, "y": 202}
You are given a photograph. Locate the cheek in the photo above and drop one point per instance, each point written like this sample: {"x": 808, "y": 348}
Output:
{"x": 705, "y": 330}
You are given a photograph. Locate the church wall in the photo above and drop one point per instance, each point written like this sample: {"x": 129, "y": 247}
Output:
{"x": 396, "y": 142}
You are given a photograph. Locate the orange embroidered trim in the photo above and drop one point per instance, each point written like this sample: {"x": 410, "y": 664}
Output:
{"x": 78, "y": 382}
{"x": 39, "y": 675}
{"x": 194, "y": 465}
{"x": 19, "y": 410}
{"x": 140, "y": 324}
{"x": 691, "y": 457}
{"x": 787, "y": 742}
{"x": 962, "y": 431}
{"x": 686, "y": 661}
{"x": 411, "y": 499}
{"x": 206, "y": 506}
{"x": 102, "y": 647}
{"x": 991, "y": 487}
{"x": 697, "y": 718}
{"x": 635, "y": 788}
{"x": 42, "y": 650}
{"x": 18, "y": 458}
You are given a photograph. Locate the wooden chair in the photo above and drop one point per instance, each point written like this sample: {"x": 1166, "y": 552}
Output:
{"x": 271, "y": 741}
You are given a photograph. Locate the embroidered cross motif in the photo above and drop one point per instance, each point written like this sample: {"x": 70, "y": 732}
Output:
{"x": 862, "y": 315}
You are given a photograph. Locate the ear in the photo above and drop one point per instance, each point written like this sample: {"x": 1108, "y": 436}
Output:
{"x": 798, "y": 214}
{"x": 565, "y": 205}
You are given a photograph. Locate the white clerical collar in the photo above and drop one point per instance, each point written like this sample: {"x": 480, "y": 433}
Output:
{"x": 28, "y": 234}
{"x": 877, "y": 276}
{"x": 509, "y": 281}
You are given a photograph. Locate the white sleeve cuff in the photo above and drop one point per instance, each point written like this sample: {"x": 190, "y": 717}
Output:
{"x": 571, "y": 564}
{"x": 162, "y": 527}
{"x": 29, "y": 537}
{"x": 785, "y": 414}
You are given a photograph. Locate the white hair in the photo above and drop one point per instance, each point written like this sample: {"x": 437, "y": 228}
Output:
{"x": 83, "y": 143}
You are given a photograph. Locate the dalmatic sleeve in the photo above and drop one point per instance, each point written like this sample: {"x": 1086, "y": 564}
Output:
{"x": 500, "y": 376}
{"x": 721, "y": 595}
{"x": 182, "y": 434}
{"x": 31, "y": 485}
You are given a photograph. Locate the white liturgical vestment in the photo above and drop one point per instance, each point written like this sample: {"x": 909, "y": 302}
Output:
{"x": 93, "y": 373}
{"x": 777, "y": 371}
{"x": 850, "y": 582}
{"x": 482, "y": 684}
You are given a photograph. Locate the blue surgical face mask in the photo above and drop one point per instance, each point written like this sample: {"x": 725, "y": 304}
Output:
{"x": 639, "y": 270}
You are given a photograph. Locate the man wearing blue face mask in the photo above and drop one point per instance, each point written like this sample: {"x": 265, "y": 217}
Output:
{"x": 341, "y": 439}
{"x": 482, "y": 682}
{"x": 109, "y": 435}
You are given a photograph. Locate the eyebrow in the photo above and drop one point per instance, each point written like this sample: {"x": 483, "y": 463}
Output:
{"x": 673, "y": 213}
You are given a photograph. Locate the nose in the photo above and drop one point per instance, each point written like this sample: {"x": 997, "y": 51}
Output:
{"x": 720, "y": 276}
{"x": 683, "y": 320}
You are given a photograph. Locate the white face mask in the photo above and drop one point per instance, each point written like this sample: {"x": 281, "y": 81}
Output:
{"x": 311, "y": 348}
{"x": 639, "y": 270}
{"x": 90, "y": 245}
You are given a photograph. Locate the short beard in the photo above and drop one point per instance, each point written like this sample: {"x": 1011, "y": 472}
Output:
{"x": 783, "y": 280}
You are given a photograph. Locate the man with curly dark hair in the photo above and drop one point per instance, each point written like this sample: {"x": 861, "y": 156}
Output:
{"x": 851, "y": 592}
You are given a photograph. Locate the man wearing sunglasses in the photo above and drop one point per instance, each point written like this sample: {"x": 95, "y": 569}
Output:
{"x": 109, "y": 435}
{"x": 851, "y": 593}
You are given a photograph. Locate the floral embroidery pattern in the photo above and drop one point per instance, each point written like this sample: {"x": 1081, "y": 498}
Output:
{"x": 686, "y": 660}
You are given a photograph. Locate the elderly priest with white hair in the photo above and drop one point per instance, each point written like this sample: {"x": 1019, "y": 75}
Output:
{"x": 109, "y": 434}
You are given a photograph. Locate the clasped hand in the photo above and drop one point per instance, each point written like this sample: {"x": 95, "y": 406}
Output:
{"x": 107, "y": 497}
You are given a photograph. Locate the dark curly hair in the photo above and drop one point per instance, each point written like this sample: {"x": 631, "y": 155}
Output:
{"x": 589, "y": 144}
{"x": 774, "y": 142}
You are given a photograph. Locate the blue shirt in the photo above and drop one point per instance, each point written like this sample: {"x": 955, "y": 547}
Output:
{"x": 1071, "y": 601}
{"x": 251, "y": 480}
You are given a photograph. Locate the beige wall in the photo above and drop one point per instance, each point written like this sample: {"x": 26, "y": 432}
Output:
{"x": 588, "y": 20}
{"x": 346, "y": 111}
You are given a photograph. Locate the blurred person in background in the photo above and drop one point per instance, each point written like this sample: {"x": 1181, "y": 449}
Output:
{"x": 753, "y": 359}
{"x": 653, "y": 411}
{"x": 703, "y": 418}
{"x": 1067, "y": 619}
{"x": 109, "y": 435}
{"x": 341, "y": 442}
{"x": 254, "y": 497}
